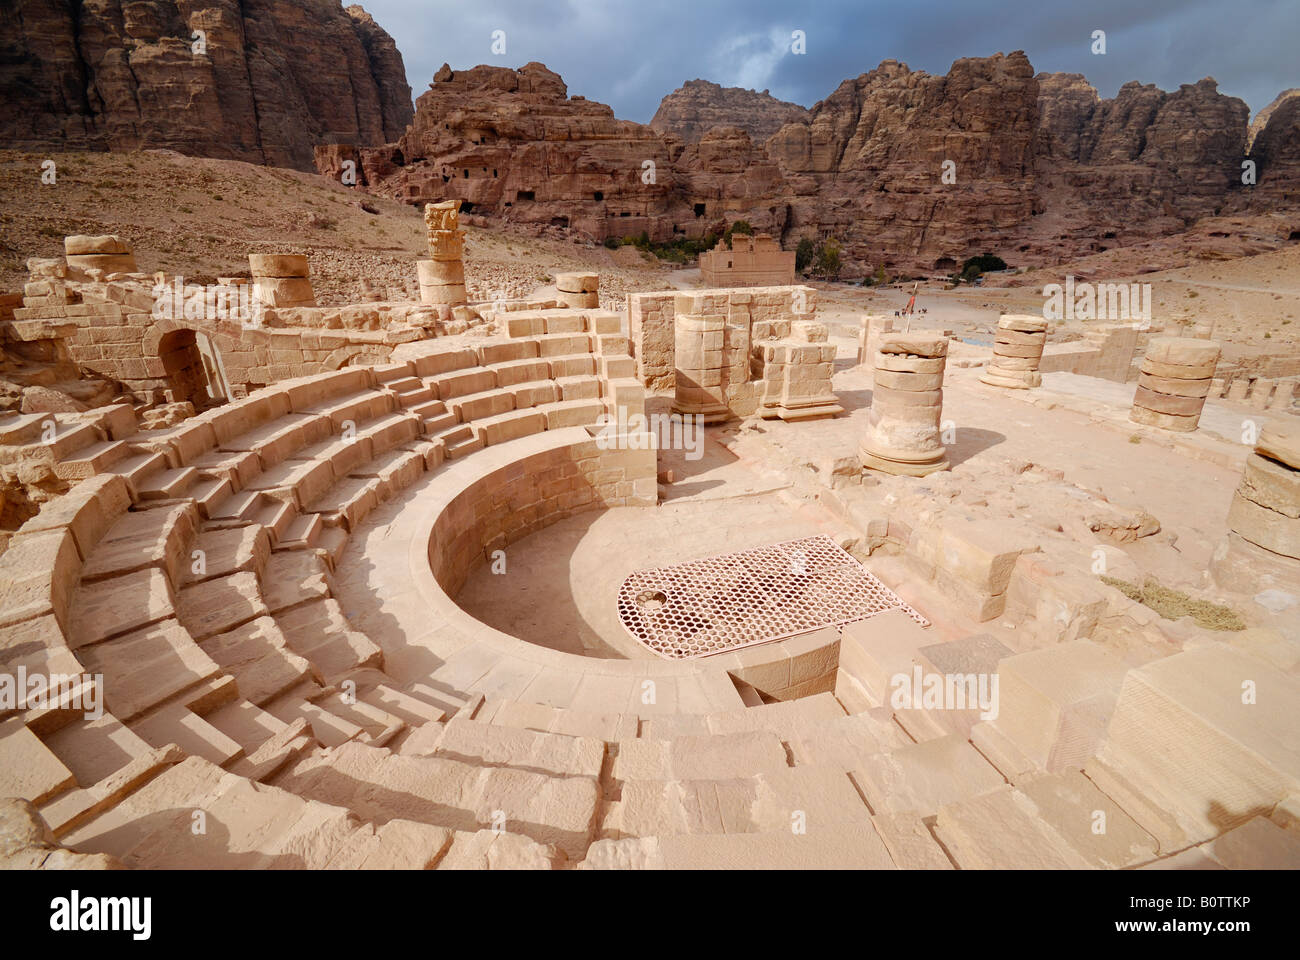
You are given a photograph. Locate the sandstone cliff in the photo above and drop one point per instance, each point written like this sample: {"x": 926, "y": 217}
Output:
{"x": 1276, "y": 150}
{"x": 1039, "y": 168}
{"x": 276, "y": 79}
{"x": 512, "y": 144}
{"x": 868, "y": 165}
{"x": 1141, "y": 165}
{"x": 696, "y": 107}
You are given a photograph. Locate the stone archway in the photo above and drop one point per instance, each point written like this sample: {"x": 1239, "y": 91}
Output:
{"x": 192, "y": 368}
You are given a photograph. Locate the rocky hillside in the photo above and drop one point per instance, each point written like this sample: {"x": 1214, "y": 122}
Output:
{"x": 698, "y": 106}
{"x": 512, "y": 145}
{"x": 276, "y": 77}
{"x": 868, "y": 166}
{"x": 1262, "y": 118}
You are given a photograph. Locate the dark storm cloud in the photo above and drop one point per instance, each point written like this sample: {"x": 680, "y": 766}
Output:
{"x": 630, "y": 53}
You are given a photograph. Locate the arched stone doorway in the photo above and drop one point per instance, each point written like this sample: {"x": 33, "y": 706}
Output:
{"x": 193, "y": 368}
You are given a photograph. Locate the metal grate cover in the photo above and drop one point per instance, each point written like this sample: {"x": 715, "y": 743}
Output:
{"x": 735, "y": 600}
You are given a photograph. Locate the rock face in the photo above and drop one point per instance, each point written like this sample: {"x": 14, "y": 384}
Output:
{"x": 907, "y": 170}
{"x": 1262, "y": 118}
{"x": 1143, "y": 164}
{"x": 276, "y": 78}
{"x": 868, "y": 165}
{"x": 1276, "y": 149}
{"x": 512, "y": 144}
{"x": 696, "y": 107}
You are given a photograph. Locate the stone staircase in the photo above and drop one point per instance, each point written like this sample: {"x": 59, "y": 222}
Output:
{"x": 263, "y": 599}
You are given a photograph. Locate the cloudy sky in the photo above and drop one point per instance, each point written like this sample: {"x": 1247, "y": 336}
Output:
{"x": 630, "y": 53}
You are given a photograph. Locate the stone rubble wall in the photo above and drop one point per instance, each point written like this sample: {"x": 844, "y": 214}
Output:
{"x": 752, "y": 315}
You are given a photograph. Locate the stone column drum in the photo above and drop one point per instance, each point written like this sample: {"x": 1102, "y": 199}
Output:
{"x": 1173, "y": 383}
{"x": 1017, "y": 351}
{"x": 1263, "y": 544}
{"x": 281, "y": 279}
{"x": 578, "y": 291}
{"x": 698, "y": 348}
{"x": 109, "y": 253}
{"x": 442, "y": 276}
{"x": 906, "y": 405}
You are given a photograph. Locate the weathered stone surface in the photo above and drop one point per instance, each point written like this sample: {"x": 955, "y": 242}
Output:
{"x": 1264, "y": 527}
{"x": 1272, "y": 485}
{"x": 1174, "y": 406}
{"x": 277, "y": 265}
{"x": 698, "y": 106}
{"x": 1175, "y": 387}
{"x": 1183, "y": 350}
{"x": 277, "y": 78}
{"x": 1180, "y": 424}
{"x": 1280, "y": 441}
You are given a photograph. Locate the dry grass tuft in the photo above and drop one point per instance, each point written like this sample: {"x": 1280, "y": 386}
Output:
{"x": 1174, "y": 604}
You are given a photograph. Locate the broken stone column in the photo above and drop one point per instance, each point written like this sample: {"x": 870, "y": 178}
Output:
{"x": 1263, "y": 543}
{"x": 442, "y": 276}
{"x": 110, "y": 253}
{"x": 870, "y": 330}
{"x": 578, "y": 291}
{"x": 797, "y": 375}
{"x": 1173, "y": 382}
{"x": 698, "y": 348}
{"x": 1017, "y": 351}
{"x": 906, "y": 405}
{"x": 281, "y": 280}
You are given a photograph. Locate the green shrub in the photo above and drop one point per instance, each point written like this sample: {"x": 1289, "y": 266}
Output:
{"x": 975, "y": 266}
{"x": 613, "y": 243}
{"x": 803, "y": 254}
{"x": 827, "y": 262}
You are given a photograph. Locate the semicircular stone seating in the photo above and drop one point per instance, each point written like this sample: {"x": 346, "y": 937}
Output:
{"x": 262, "y": 599}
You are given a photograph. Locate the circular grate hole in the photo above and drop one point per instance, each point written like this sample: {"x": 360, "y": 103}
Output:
{"x": 708, "y": 606}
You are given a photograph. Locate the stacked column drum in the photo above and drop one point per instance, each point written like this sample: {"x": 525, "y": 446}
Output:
{"x": 906, "y": 405}
{"x": 1173, "y": 383}
{"x": 1017, "y": 352}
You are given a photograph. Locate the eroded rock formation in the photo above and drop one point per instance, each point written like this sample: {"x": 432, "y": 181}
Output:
{"x": 908, "y": 170}
{"x": 868, "y": 166}
{"x": 513, "y": 144}
{"x": 274, "y": 80}
{"x": 697, "y": 106}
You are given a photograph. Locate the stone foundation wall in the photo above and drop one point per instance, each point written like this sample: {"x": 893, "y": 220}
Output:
{"x": 753, "y": 314}
{"x": 1107, "y": 353}
{"x": 533, "y": 492}
{"x": 109, "y": 328}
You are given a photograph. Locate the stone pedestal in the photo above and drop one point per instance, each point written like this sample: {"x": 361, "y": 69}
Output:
{"x": 1017, "y": 351}
{"x": 870, "y": 330}
{"x": 797, "y": 374}
{"x": 578, "y": 291}
{"x": 111, "y": 254}
{"x": 698, "y": 350}
{"x": 1173, "y": 382}
{"x": 906, "y": 405}
{"x": 281, "y": 279}
{"x": 442, "y": 276}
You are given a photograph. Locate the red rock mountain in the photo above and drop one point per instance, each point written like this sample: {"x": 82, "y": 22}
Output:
{"x": 868, "y": 166}
{"x": 277, "y": 77}
{"x": 696, "y": 107}
{"x": 1038, "y": 168}
{"x": 513, "y": 145}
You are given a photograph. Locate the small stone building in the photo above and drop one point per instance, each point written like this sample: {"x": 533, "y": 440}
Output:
{"x": 756, "y": 261}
